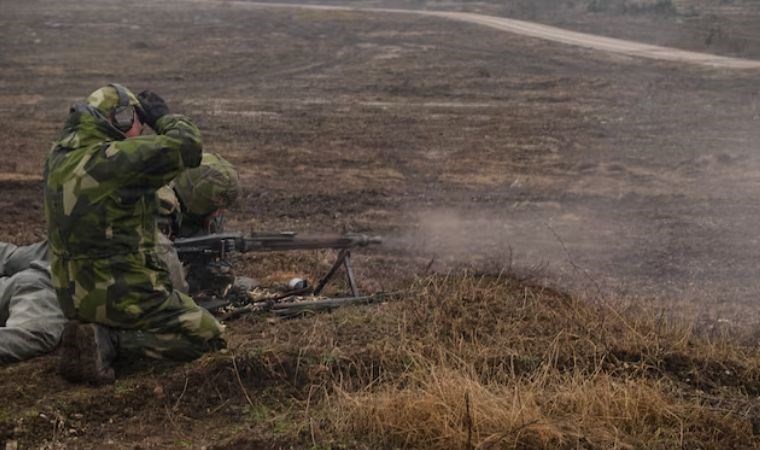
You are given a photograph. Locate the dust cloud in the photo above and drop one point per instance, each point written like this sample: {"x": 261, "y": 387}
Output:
{"x": 543, "y": 241}
{"x": 671, "y": 250}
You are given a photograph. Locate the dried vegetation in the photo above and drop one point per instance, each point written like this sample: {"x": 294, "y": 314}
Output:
{"x": 463, "y": 361}
{"x": 489, "y": 362}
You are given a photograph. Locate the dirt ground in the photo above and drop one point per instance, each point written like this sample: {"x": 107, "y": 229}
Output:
{"x": 605, "y": 175}
{"x": 456, "y": 140}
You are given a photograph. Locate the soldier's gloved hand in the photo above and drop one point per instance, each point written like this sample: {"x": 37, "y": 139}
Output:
{"x": 153, "y": 107}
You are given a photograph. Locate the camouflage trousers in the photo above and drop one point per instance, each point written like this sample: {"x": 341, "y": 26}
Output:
{"x": 133, "y": 294}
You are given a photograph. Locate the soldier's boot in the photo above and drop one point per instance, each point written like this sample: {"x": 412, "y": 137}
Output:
{"x": 97, "y": 351}
{"x": 87, "y": 352}
{"x": 69, "y": 366}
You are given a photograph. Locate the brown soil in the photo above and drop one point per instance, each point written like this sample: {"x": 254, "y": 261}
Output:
{"x": 460, "y": 144}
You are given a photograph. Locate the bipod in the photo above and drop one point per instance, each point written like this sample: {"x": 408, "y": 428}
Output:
{"x": 344, "y": 259}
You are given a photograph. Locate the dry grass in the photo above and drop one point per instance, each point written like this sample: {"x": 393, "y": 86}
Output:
{"x": 465, "y": 361}
{"x": 557, "y": 411}
{"x": 488, "y": 362}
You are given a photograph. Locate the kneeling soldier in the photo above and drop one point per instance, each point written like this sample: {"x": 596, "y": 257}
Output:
{"x": 101, "y": 179}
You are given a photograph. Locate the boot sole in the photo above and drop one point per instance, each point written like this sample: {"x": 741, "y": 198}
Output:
{"x": 69, "y": 364}
{"x": 91, "y": 359}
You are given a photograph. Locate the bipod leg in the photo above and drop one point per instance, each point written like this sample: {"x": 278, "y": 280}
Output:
{"x": 350, "y": 275}
{"x": 342, "y": 255}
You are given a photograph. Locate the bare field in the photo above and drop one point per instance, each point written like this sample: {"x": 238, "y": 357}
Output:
{"x": 630, "y": 184}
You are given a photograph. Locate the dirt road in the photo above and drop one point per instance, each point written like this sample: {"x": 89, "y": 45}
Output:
{"x": 548, "y": 33}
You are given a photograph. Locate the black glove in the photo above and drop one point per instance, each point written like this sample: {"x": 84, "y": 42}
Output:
{"x": 152, "y": 107}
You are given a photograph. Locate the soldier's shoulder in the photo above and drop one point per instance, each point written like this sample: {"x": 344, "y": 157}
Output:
{"x": 211, "y": 186}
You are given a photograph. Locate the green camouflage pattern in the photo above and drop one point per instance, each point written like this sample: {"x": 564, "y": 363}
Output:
{"x": 211, "y": 186}
{"x": 204, "y": 192}
{"x": 101, "y": 208}
{"x": 169, "y": 212}
{"x": 168, "y": 203}
{"x": 100, "y": 193}
{"x": 106, "y": 99}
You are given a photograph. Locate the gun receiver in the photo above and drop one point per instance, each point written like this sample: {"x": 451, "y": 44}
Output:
{"x": 217, "y": 246}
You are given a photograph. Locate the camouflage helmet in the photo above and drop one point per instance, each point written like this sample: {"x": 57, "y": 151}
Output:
{"x": 106, "y": 99}
{"x": 209, "y": 187}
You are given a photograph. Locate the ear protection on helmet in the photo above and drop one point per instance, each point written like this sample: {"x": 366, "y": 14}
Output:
{"x": 123, "y": 114}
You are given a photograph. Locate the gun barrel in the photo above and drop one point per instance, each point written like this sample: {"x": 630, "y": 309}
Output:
{"x": 291, "y": 241}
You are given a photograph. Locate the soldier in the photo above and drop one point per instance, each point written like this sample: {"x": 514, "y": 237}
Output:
{"x": 204, "y": 193}
{"x": 101, "y": 179}
{"x": 31, "y": 321}
{"x": 194, "y": 204}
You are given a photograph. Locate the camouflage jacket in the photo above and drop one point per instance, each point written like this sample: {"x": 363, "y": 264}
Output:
{"x": 100, "y": 188}
{"x": 101, "y": 208}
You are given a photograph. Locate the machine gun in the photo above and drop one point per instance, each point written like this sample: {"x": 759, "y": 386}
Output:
{"x": 196, "y": 251}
